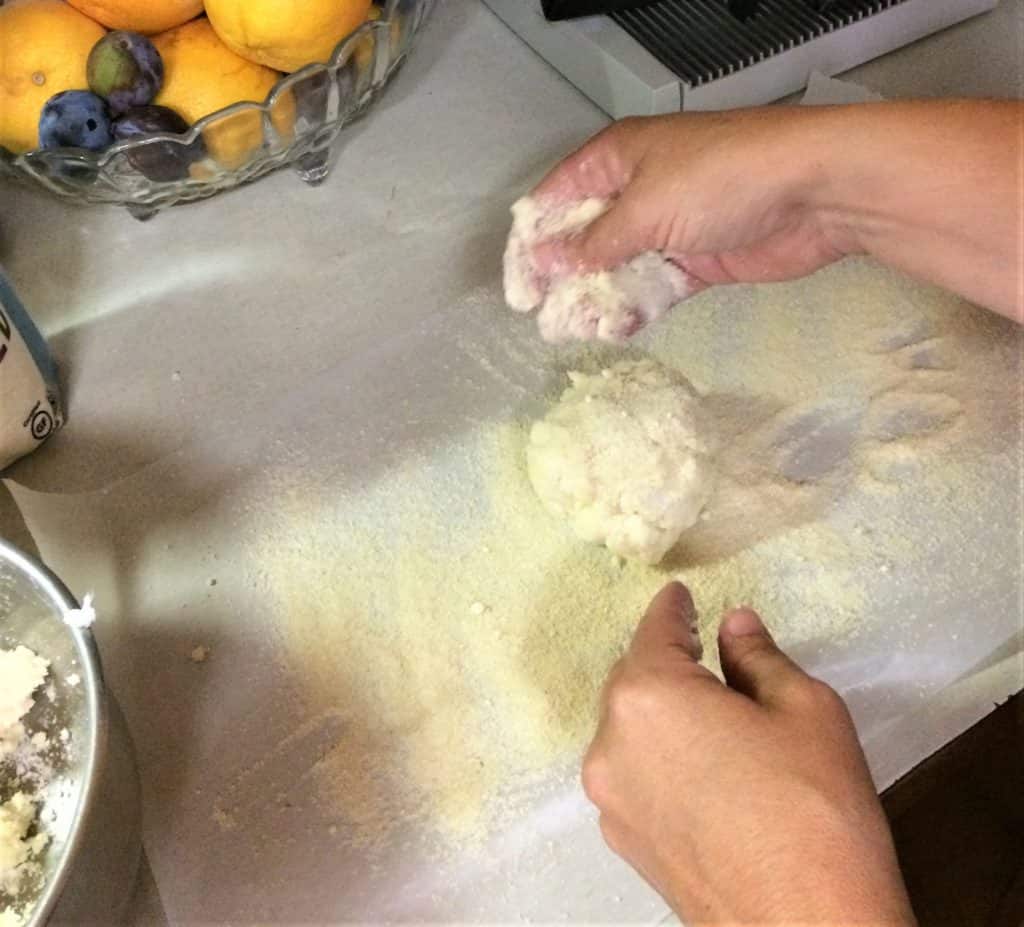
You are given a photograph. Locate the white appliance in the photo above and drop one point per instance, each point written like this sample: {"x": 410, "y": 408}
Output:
{"x": 675, "y": 55}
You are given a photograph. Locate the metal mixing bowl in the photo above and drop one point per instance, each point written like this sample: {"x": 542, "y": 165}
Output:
{"x": 91, "y": 806}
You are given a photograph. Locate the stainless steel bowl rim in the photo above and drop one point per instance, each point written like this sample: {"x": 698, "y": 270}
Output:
{"x": 92, "y": 680}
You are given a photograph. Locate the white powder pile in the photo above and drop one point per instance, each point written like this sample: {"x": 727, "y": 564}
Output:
{"x": 450, "y": 637}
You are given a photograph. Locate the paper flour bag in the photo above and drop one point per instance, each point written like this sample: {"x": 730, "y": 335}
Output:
{"x": 30, "y": 403}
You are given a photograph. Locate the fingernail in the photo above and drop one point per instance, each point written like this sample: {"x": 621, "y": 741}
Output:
{"x": 742, "y": 622}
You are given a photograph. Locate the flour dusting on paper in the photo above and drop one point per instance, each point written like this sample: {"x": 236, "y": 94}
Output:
{"x": 449, "y": 638}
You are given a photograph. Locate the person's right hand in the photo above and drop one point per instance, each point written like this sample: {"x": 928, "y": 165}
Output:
{"x": 726, "y": 196}
{"x": 931, "y": 188}
{"x": 747, "y": 802}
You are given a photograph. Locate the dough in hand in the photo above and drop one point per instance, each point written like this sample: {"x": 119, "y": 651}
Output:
{"x": 625, "y": 457}
{"x": 609, "y": 305}
{"x": 531, "y": 223}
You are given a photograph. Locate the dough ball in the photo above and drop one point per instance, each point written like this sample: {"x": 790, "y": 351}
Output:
{"x": 625, "y": 457}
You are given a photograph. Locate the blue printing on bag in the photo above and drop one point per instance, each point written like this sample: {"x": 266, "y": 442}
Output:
{"x": 18, "y": 316}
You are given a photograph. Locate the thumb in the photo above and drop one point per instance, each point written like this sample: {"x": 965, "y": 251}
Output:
{"x": 670, "y": 623}
{"x": 612, "y": 239}
{"x": 751, "y": 661}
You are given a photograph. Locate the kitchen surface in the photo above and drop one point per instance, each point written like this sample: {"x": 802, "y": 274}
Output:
{"x": 357, "y": 659}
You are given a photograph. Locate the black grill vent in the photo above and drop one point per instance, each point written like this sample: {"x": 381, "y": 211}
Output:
{"x": 702, "y": 40}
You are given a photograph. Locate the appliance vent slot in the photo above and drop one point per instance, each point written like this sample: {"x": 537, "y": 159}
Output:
{"x": 702, "y": 41}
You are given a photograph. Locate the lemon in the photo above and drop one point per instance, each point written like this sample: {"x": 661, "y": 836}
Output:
{"x": 145, "y": 16}
{"x": 44, "y": 45}
{"x": 285, "y": 34}
{"x": 202, "y": 75}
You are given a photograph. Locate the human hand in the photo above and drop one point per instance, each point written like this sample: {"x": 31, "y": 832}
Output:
{"x": 728, "y": 197}
{"x": 748, "y": 802}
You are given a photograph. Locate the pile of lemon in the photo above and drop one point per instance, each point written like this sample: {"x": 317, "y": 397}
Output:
{"x": 236, "y": 52}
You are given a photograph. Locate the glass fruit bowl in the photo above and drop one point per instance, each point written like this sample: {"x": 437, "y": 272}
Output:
{"x": 296, "y": 125}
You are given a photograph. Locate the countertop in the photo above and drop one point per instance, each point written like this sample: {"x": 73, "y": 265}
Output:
{"x": 281, "y": 328}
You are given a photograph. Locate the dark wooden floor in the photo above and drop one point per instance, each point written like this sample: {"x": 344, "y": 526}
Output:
{"x": 958, "y": 822}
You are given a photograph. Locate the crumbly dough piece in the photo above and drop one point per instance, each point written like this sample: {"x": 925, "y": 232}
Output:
{"x": 610, "y": 305}
{"x": 626, "y": 457}
{"x": 17, "y": 849}
{"x": 22, "y": 672}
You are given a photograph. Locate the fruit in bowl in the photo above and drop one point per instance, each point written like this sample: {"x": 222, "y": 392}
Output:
{"x": 193, "y": 65}
{"x": 146, "y": 16}
{"x": 202, "y": 75}
{"x": 44, "y": 45}
{"x": 285, "y": 36}
{"x": 75, "y": 119}
{"x": 124, "y": 69}
{"x": 161, "y": 161}
{"x": 193, "y": 96}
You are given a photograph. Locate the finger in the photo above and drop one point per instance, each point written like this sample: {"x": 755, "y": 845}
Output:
{"x": 612, "y": 239}
{"x": 751, "y": 661}
{"x": 670, "y": 623}
{"x": 601, "y": 167}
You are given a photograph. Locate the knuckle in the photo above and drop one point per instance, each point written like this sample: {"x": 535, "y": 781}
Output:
{"x": 621, "y": 133}
{"x": 631, "y": 696}
{"x": 610, "y": 834}
{"x": 814, "y": 697}
{"x": 595, "y": 779}
{"x": 627, "y": 124}
{"x": 614, "y": 677}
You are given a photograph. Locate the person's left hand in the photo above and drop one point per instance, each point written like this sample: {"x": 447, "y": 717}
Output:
{"x": 747, "y": 802}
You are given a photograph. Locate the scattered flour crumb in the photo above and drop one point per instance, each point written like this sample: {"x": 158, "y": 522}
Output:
{"x": 225, "y": 820}
{"x": 83, "y": 617}
{"x": 73, "y": 679}
{"x": 199, "y": 654}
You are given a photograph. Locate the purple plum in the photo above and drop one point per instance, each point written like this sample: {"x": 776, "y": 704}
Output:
{"x": 75, "y": 119}
{"x": 125, "y": 69}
